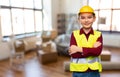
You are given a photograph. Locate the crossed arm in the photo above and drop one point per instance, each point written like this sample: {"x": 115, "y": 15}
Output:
{"x": 77, "y": 52}
{"x": 73, "y": 48}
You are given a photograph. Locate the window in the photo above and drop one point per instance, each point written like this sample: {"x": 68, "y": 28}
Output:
{"x": 17, "y": 21}
{"x": 4, "y": 2}
{"x": 105, "y": 4}
{"x": 107, "y": 13}
{"x": 38, "y": 4}
{"x": 6, "y": 22}
{"x": 29, "y": 21}
{"x": 104, "y": 15}
{"x": 38, "y": 18}
{"x": 21, "y": 17}
{"x": 28, "y": 3}
{"x": 115, "y": 20}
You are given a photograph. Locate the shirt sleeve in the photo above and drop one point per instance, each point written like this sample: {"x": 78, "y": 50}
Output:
{"x": 73, "y": 42}
{"x": 93, "y": 51}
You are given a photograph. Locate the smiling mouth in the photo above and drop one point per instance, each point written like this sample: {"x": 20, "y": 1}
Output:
{"x": 87, "y": 24}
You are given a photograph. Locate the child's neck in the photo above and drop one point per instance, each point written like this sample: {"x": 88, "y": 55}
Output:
{"x": 86, "y": 30}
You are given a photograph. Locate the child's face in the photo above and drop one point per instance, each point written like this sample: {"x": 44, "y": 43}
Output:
{"x": 86, "y": 20}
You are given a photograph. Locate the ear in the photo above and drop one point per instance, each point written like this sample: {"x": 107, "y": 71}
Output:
{"x": 94, "y": 18}
{"x": 78, "y": 20}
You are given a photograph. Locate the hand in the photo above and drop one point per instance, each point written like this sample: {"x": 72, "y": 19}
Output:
{"x": 74, "y": 49}
{"x": 97, "y": 44}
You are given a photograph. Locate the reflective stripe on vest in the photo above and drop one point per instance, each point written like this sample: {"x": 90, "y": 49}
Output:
{"x": 84, "y": 60}
{"x": 82, "y": 64}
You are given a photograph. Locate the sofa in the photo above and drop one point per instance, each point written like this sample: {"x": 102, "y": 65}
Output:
{"x": 26, "y": 44}
{"x": 62, "y": 41}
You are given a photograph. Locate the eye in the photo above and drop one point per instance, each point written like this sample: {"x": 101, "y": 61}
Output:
{"x": 90, "y": 17}
{"x": 82, "y": 17}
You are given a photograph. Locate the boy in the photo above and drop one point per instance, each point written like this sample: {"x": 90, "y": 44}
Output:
{"x": 86, "y": 46}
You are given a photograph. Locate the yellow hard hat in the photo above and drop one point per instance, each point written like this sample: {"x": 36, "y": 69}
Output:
{"x": 86, "y": 9}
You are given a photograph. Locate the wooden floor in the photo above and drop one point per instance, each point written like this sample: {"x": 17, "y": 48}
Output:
{"x": 33, "y": 68}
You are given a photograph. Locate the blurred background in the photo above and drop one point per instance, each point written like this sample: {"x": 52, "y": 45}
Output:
{"x": 33, "y": 25}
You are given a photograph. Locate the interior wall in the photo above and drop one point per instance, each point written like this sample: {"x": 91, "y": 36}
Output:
{"x": 47, "y": 4}
{"x": 0, "y": 31}
{"x": 71, "y": 6}
{"x": 55, "y": 5}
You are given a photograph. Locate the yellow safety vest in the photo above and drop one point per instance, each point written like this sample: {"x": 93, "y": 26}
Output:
{"x": 82, "y": 64}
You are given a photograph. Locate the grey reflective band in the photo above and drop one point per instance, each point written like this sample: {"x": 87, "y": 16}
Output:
{"x": 84, "y": 60}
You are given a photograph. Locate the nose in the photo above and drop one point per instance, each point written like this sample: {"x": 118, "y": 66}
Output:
{"x": 86, "y": 19}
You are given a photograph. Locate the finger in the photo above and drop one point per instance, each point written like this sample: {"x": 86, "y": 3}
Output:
{"x": 69, "y": 51}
